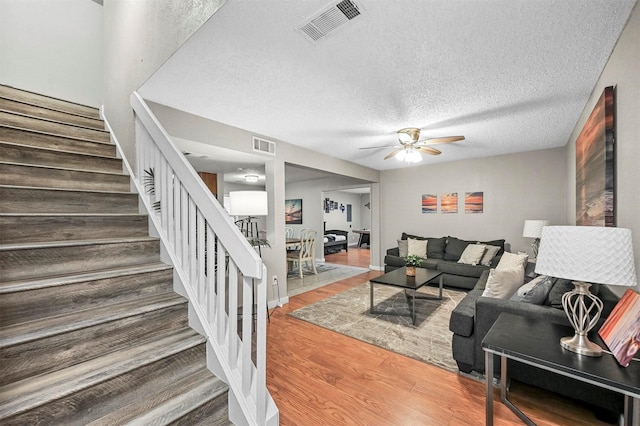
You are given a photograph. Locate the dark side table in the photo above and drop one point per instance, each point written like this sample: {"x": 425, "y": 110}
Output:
{"x": 537, "y": 343}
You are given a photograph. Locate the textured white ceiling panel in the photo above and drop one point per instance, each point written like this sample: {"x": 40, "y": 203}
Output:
{"x": 508, "y": 75}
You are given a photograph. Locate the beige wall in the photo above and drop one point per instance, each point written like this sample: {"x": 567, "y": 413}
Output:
{"x": 139, "y": 36}
{"x": 530, "y": 185}
{"x": 622, "y": 72}
{"x": 53, "y": 48}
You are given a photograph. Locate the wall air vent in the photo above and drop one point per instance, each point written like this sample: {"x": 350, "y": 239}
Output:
{"x": 264, "y": 146}
{"x": 328, "y": 20}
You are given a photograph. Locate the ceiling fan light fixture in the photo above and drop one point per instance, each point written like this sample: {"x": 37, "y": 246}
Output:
{"x": 251, "y": 178}
{"x": 410, "y": 134}
{"x": 413, "y": 156}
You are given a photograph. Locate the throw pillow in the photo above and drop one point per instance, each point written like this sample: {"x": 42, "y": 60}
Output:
{"x": 509, "y": 260}
{"x": 535, "y": 291}
{"x": 454, "y": 248}
{"x": 435, "y": 248}
{"x": 499, "y": 243}
{"x": 560, "y": 287}
{"x": 403, "y": 248}
{"x": 472, "y": 254}
{"x": 502, "y": 283}
{"x": 418, "y": 247}
{"x": 489, "y": 254}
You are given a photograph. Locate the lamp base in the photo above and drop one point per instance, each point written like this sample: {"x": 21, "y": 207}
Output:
{"x": 583, "y": 310}
{"x": 581, "y": 345}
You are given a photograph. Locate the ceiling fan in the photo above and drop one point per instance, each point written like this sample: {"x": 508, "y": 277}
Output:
{"x": 410, "y": 146}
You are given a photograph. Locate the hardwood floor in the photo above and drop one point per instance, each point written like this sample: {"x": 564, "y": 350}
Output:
{"x": 319, "y": 377}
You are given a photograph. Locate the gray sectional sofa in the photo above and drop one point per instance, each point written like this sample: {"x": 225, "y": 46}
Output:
{"x": 443, "y": 254}
{"x": 473, "y": 317}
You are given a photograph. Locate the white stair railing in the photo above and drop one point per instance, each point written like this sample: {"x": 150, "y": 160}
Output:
{"x": 214, "y": 261}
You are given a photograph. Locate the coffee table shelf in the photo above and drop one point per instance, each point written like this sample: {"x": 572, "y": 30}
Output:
{"x": 398, "y": 278}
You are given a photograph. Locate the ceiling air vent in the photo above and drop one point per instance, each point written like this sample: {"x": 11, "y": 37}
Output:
{"x": 264, "y": 146}
{"x": 328, "y": 20}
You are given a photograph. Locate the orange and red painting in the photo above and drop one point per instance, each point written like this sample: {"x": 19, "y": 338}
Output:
{"x": 449, "y": 203}
{"x": 473, "y": 202}
{"x": 429, "y": 203}
{"x": 594, "y": 166}
{"x": 621, "y": 330}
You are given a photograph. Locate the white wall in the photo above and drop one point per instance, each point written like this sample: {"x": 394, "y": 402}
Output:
{"x": 365, "y": 212}
{"x": 530, "y": 185}
{"x": 621, "y": 71}
{"x": 53, "y": 48}
{"x": 139, "y": 36}
{"x": 337, "y": 219}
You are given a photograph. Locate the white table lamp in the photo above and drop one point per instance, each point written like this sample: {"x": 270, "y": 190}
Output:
{"x": 533, "y": 229}
{"x": 586, "y": 255}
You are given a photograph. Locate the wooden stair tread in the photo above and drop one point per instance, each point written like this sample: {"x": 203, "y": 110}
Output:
{"x": 73, "y": 243}
{"x": 27, "y": 285}
{"x": 51, "y": 326}
{"x": 15, "y": 105}
{"x": 49, "y": 102}
{"x": 67, "y": 169}
{"x": 93, "y": 191}
{"x": 62, "y": 151}
{"x": 42, "y": 132}
{"x": 52, "y": 121}
{"x": 35, "y": 391}
{"x": 169, "y": 404}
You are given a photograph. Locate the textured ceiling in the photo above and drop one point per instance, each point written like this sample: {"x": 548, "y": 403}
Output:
{"x": 509, "y": 75}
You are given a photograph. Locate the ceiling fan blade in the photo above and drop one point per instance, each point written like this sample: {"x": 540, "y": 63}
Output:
{"x": 428, "y": 150}
{"x": 393, "y": 153}
{"x": 447, "y": 139}
{"x": 378, "y": 147}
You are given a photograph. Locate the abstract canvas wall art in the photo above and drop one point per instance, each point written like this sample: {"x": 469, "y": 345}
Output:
{"x": 473, "y": 202}
{"x": 449, "y": 203}
{"x": 595, "y": 174}
{"x": 429, "y": 203}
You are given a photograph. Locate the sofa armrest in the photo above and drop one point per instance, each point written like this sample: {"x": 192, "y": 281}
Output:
{"x": 482, "y": 281}
{"x": 488, "y": 310}
{"x": 395, "y": 251}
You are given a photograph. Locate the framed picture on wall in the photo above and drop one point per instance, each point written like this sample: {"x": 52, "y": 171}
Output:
{"x": 429, "y": 203}
{"x": 449, "y": 203}
{"x": 473, "y": 202}
{"x": 293, "y": 211}
{"x": 595, "y": 186}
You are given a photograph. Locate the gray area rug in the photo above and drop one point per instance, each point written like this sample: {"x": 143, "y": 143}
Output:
{"x": 428, "y": 341}
{"x": 307, "y": 269}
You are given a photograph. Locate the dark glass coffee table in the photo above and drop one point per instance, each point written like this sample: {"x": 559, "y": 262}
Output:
{"x": 399, "y": 278}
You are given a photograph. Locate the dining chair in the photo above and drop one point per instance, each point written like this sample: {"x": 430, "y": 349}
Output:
{"x": 306, "y": 252}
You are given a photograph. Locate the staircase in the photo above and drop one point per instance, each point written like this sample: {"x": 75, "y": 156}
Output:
{"x": 91, "y": 331}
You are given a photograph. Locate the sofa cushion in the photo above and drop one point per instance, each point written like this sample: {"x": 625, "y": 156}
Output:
{"x": 454, "y": 248}
{"x": 455, "y": 268}
{"x": 403, "y": 248}
{"x": 435, "y": 247}
{"x": 462, "y": 317}
{"x": 394, "y": 261}
{"x": 535, "y": 291}
{"x": 430, "y": 263}
{"x": 489, "y": 253}
{"x": 417, "y": 247}
{"x": 502, "y": 283}
{"x": 510, "y": 260}
{"x": 472, "y": 254}
{"x": 498, "y": 243}
{"x": 560, "y": 287}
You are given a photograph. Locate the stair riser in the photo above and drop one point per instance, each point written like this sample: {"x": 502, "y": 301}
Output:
{"x": 13, "y": 174}
{"x": 49, "y": 114}
{"x": 43, "y": 157}
{"x": 47, "y": 102}
{"x": 59, "y": 129}
{"x": 63, "y": 350}
{"x": 42, "y": 262}
{"x": 28, "y": 200}
{"x": 214, "y": 412}
{"x": 97, "y": 401}
{"x": 25, "y": 137}
{"x": 23, "y": 306}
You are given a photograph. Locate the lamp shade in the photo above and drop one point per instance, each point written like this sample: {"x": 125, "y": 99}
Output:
{"x": 248, "y": 203}
{"x": 591, "y": 254}
{"x": 533, "y": 228}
